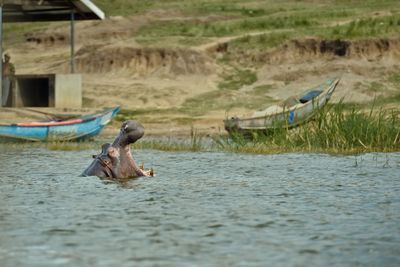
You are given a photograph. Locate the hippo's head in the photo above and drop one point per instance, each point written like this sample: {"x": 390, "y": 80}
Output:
{"x": 107, "y": 162}
{"x": 130, "y": 132}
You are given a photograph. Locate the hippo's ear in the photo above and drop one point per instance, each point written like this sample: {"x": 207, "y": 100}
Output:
{"x": 112, "y": 152}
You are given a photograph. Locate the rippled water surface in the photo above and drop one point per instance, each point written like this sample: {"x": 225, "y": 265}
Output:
{"x": 202, "y": 209}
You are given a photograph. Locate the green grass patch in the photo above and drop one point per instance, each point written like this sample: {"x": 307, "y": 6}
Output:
{"x": 375, "y": 88}
{"x": 237, "y": 78}
{"x": 233, "y": 9}
{"x": 131, "y": 114}
{"x": 223, "y": 28}
{"x": 382, "y": 101}
{"x": 169, "y": 115}
{"x": 72, "y": 146}
{"x": 125, "y": 7}
{"x": 10, "y": 29}
{"x": 263, "y": 89}
{"x": 171, "y": 42}
{"x": 261, "y": 42}
{"x": 243, "y": 8}
{"x": 224, "y": 100}
{"x": 194, "y": 143}
{"x": 395, "y": 79}
{"x": 205, "y": 19}
{"x": 52, "y": 145}
{"x": 378, "y": 27}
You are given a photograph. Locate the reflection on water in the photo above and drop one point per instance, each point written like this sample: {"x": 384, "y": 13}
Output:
{"x": 203, "y": 209}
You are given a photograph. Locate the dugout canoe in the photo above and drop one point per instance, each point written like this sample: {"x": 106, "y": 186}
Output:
{"x": 290, "y": 113}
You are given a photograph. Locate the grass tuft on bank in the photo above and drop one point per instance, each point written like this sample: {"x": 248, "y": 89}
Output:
{"x": 194, "y": 143}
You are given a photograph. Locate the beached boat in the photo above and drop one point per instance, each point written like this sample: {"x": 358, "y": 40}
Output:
{"x": 290, "y": 113}
{"x": 63, "y": 130}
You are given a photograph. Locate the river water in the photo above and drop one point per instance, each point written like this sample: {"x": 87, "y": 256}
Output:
{"x": 202, "y": 209}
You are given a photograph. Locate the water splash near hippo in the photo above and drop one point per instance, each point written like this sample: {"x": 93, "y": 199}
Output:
{"x": 115, "y": 160}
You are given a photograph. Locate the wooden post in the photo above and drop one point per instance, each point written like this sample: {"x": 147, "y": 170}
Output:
{"x": 72, "y": 37}
{"x": 1, "y": 53}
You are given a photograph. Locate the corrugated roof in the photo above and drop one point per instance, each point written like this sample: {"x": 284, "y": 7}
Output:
{"x": 49, "y": 10}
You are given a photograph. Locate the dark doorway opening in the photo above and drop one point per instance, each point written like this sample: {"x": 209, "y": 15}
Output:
{"x": 36, "y": 92}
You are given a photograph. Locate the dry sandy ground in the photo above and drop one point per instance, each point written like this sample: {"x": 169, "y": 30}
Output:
{"x": 118, "y": 71}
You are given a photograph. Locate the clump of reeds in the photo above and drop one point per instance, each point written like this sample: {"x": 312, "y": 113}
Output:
{"x": 371, "y": 27}
{"x": 353, "y": 130}
{"x": 337, "y": 130}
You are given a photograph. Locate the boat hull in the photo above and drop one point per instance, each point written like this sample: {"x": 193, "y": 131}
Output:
{"x": 88, "y": 126}
{"x": 289, "y": 117}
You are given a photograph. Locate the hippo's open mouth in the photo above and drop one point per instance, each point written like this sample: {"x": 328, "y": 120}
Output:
{"x": 115, "y": 160}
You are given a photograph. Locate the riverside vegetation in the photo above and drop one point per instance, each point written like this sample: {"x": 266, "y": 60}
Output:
{"x": 337, "y": 129}
{"x": 340, "y": 129}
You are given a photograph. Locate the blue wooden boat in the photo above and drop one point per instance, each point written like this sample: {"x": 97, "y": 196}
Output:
{"x": 65, "y": 130}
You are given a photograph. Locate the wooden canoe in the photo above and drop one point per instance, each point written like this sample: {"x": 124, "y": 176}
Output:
{"x": 290, "y": 113}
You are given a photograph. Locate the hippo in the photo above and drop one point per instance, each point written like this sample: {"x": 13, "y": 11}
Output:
{"x": 115, "y": 160}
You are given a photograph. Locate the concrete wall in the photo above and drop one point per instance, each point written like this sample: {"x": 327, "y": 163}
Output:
{"x": 68, "y": 91}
